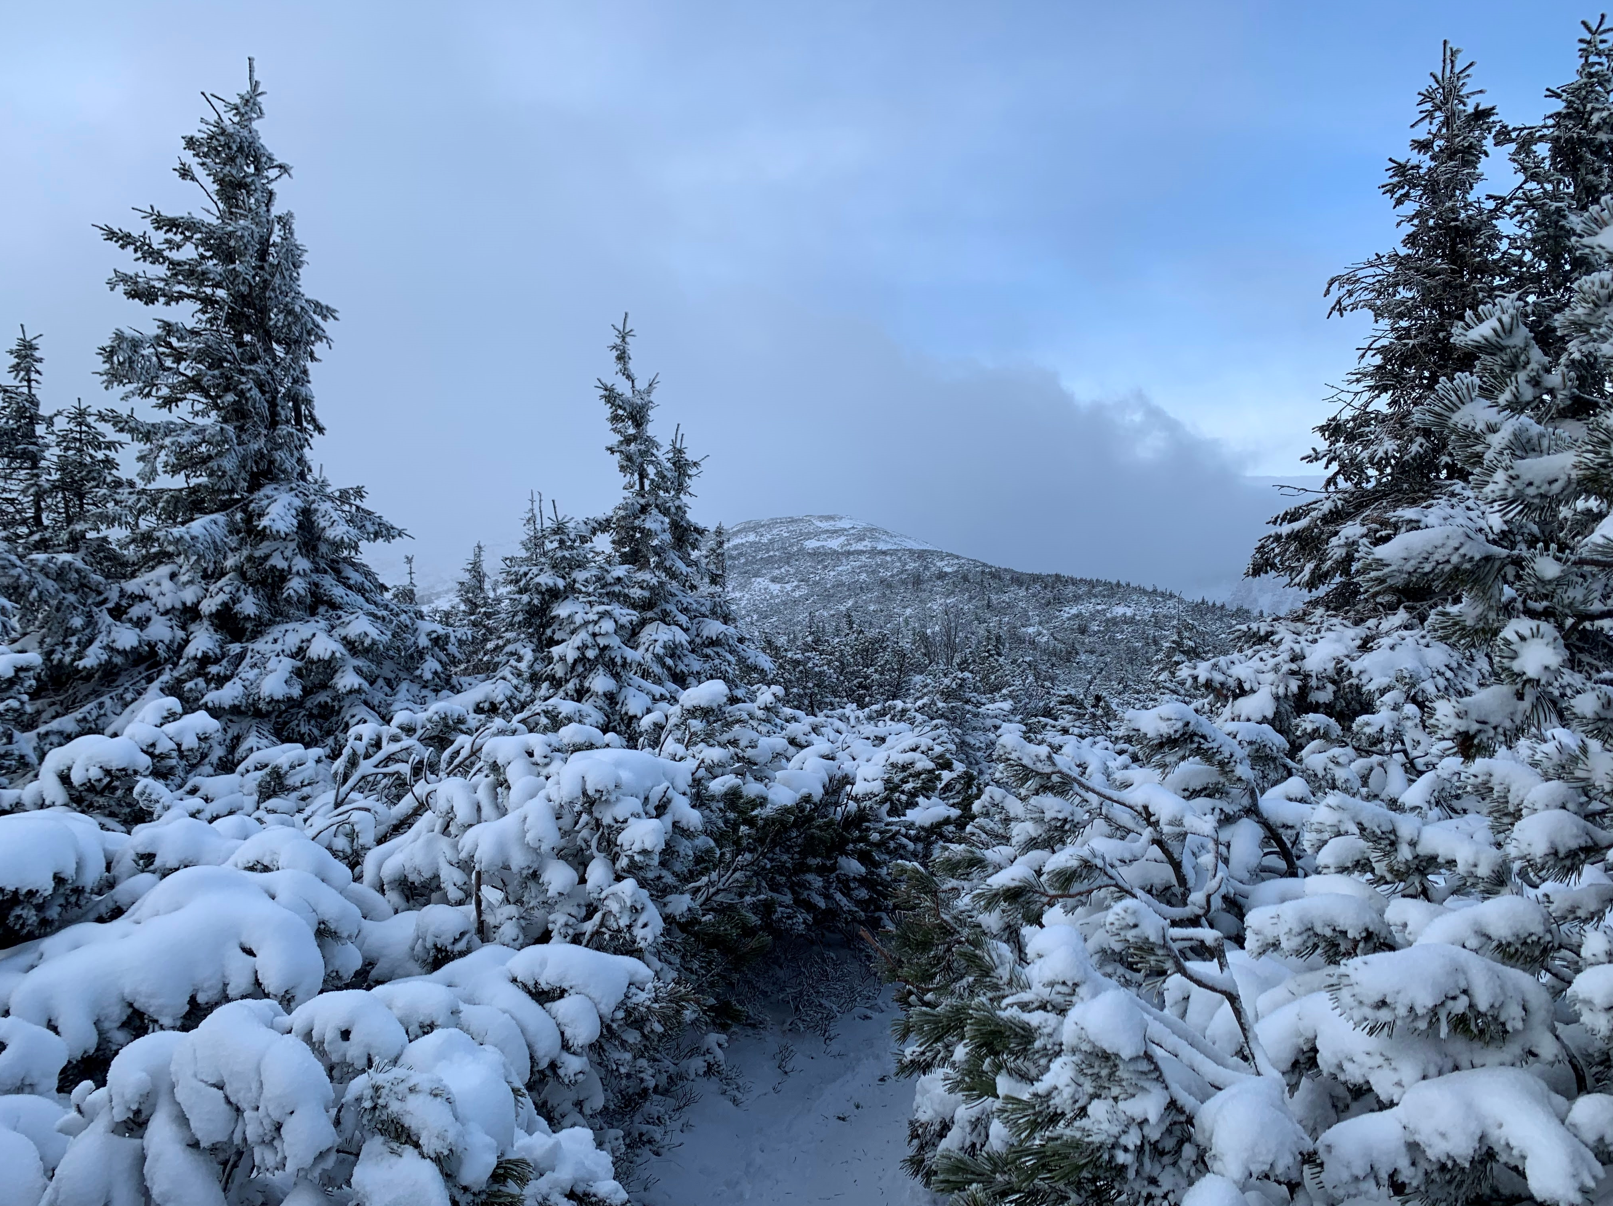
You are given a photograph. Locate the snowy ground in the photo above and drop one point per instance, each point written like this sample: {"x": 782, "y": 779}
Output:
{"x": 831, "y": 1129}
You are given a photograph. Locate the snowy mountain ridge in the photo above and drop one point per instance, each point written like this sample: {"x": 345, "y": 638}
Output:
{"x": 838, "y": 532}
{"x": 790, "y": 573}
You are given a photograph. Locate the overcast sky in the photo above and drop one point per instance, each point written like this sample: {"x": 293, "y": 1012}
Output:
{"x": 1036, "y": 282}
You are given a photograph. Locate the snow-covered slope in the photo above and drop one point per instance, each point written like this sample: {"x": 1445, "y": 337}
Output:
{"x": 834, "y": 533}
{"x": 1092, "y": 634}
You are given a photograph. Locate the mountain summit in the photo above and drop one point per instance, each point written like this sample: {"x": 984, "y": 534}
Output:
{"x": 789, "y": 575}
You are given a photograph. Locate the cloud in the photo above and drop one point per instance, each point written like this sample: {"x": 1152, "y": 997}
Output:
{"x": 996, "y": 462}
{"x": 798, "y": 411}
{"x": 864, "y": 248}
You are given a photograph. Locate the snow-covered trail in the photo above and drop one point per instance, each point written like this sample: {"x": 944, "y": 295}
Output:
{"x": 833, "y": 1129}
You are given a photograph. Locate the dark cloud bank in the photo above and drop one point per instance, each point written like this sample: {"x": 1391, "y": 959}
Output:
{"x": 1000, "y": 463}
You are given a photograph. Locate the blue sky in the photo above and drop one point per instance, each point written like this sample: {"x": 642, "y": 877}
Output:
{"x": 1039, "y": 282}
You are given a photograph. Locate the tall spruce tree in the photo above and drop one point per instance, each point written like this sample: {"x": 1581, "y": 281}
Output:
{"x": 474, "y": 618}
{"x": 1449, "y": 262}
{"x": 252, "y": 593}
{"x": 1564, "y": 165}
{"x": 56, "y": 600}
{"x": 22, "y": 447}
{"x": 1523, "y": 544}
{"x": 84, "y": 487}
{"x": 683, "y": 634}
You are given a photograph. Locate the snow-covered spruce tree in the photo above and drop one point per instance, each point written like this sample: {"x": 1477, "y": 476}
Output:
{"x": 251, "y": 596}
{"x": 680, "y": 632}
{"x": 85, "y": 486}
{"x": 530, "y": 586}
{"x": 541, "y": 607}
{"x": 803, "y": 665}
{"x": 57, "y": 569}
{"x": 1524, "y": 542}
{"x": 592, "y": 664}
{"x": 23, "y": 428}
{"x": 1184, "y": 646}
{"x": 1449, "y": 261}
{"x": 1564, "y": 165}
{"x": 61, "y": 609}
{"x": 409, "y": 592}
{"x": 59, "y": 478}
{"x": 473, "y": 619}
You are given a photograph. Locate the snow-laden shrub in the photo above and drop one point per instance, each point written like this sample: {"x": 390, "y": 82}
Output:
{"x": 89, "y": 773}
{"x": 726, "y": 819}
{"x": 31, "y": 1057}
{"x": 729, "y": 821}
{"x": 203, "y": 1008}
{"x": 31, "y": 1145}
{"x": 438, "y": 964}
{"x": 806, "y": 815}
{"x": 221, "y": 1055}
{"x": 51, "y": 863}
{"x": 201, "y": 936}
{"x": 18, "y": 673}
{"x": 1191, "y": 958}
{"x": 256, "y": 1102}
{"x": 119, "y": 777}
